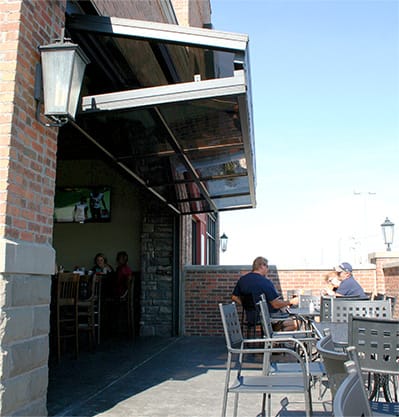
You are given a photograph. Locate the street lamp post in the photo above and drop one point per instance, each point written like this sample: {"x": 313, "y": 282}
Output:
{"x": 387, "y": 231}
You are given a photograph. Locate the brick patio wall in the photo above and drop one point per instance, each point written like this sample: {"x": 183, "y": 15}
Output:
{"x": 206, "y": 286}
{"x": 391, "y": 274}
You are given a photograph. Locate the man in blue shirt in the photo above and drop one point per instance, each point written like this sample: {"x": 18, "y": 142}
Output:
{"x": 255, "y": 283}
{"x": 348, "y": 286}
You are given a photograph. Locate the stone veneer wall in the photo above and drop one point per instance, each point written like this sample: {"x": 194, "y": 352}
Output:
{"x": 157, "y": 273}
{"x": 206, "y": 286}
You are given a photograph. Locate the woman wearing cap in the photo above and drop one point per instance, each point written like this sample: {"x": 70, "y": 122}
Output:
{"x": 348, "y": 286}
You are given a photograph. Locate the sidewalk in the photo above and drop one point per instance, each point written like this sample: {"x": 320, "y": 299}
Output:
{"x": 154, "y": 377}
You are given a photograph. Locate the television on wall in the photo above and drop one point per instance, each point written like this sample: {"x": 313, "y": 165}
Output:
{"x": 82, "y": 204}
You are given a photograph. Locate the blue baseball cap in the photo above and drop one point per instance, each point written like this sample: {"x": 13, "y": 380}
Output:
{"x": 344, "y": 267}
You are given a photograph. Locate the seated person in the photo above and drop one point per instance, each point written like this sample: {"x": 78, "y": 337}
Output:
{"x": 123, "y": 276}
{"x": 256, "y": 283}
{"x": 348, "y": 285}
{"x": 332, "y": 283}
{"x": 102, "y": 267}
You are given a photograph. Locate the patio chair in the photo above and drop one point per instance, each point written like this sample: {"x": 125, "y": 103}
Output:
{"x": 266, "y": 321}
{"x": 325, "y": 308}
{"x": 261, "y": 382}
{"x": 379, "y": 409}
{"x": 333, "y": 361}
{"x": 250, "y": 315}
{"x": 67, "y": 310}
{"x": 89, "y": 309}
{"x": 377, "y": 342}
{"x": 305, "y": 300}
{"x": 297, "y": 339}
{"x": 297, "y": 292}
{"x": 351, "y": 399}
{"x": 342, "y": 308}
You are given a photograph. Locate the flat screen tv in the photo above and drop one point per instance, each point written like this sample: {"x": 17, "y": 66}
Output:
{"x": 82, "y": 204}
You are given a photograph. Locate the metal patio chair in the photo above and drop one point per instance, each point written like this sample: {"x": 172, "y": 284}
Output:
{"x": 333, "y": 361}
{"x": 325, "y": 308}
{"x": 298, "y": 340}
{"x": 377, "y": 343}
{"x": 304, "y": 336}
{"x": 351, "y": 399}
{"x": 305, "y": 300}
{"x": 250, "y": 315}
{"x": 341, "y": 309}
{"x": 240, "y": 380}
{"x": 379, "y": 409}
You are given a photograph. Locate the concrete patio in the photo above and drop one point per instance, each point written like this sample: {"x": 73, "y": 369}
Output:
{"x": 156, "y": 377}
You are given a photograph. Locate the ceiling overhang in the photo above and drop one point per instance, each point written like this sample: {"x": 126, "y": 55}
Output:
{"x": 180, "y": 122}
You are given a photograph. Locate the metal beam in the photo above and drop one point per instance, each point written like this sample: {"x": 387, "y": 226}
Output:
{"x": 168, "y": 153}
{"x": 173, "y": 142}
{"x": 124, "y": 167}
{"x": 162, "y": 32}
{"x": 174, "y": 93}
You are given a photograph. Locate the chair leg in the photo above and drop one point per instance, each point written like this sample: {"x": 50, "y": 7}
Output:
{"x": 235, "y": 405}
{"x": 264, "y": 406}
{"x": 58, "y": 338}
{"x": 308, "y": 404}
{"x": 76, "y": 336}
{"x": 269, "y": 404}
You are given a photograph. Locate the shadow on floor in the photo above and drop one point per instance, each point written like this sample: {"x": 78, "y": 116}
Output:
{"x": 121, "y": 369}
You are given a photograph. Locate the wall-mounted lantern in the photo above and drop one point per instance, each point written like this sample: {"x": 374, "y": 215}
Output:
{"x": 63, "y": 67}
{"x": 223, "y": 242}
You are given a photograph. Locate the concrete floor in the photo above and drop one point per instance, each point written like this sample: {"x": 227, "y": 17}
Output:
{"x": 155, "y": 377}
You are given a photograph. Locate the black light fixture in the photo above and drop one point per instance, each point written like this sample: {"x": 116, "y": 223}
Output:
{"x": 223, "y": 242}
{"x": 63, "y": 67}
{"x": 387, "y": 231}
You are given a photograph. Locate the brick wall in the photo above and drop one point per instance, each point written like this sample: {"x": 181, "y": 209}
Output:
{"x": 27, "y": 185}
{"x": 391, "y": 275}
{"x": 207, "y": 286}
{"x": 27, "y": 149}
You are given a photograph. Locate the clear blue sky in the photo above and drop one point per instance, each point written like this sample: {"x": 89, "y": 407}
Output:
{"x": 325, "y": 89}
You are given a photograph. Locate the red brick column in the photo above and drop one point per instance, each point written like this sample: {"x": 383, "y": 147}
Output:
{"x": 27, "y": 185}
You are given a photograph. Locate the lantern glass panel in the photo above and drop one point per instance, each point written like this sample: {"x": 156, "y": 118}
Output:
{"x": 57, "y": 70}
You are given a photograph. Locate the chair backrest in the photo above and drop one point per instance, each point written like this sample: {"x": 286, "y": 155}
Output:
{"x": 305, "y": 300}
{"x": 265, "y": 318}
{"x": 231, "y": 324}
{"x": 325, "y": 308}
{"x": 67, "y": 288}
{"x": 96, "y": 286}
{"x": 249, "y": 305}
{"x": 393, "y": 303}
{"x": 333, "y": 362}
{"x": 377, "y": 343}
{"x": 351, "y": 398}
{"x": 342, "y": 308}
{"x": 297, "y": 292}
